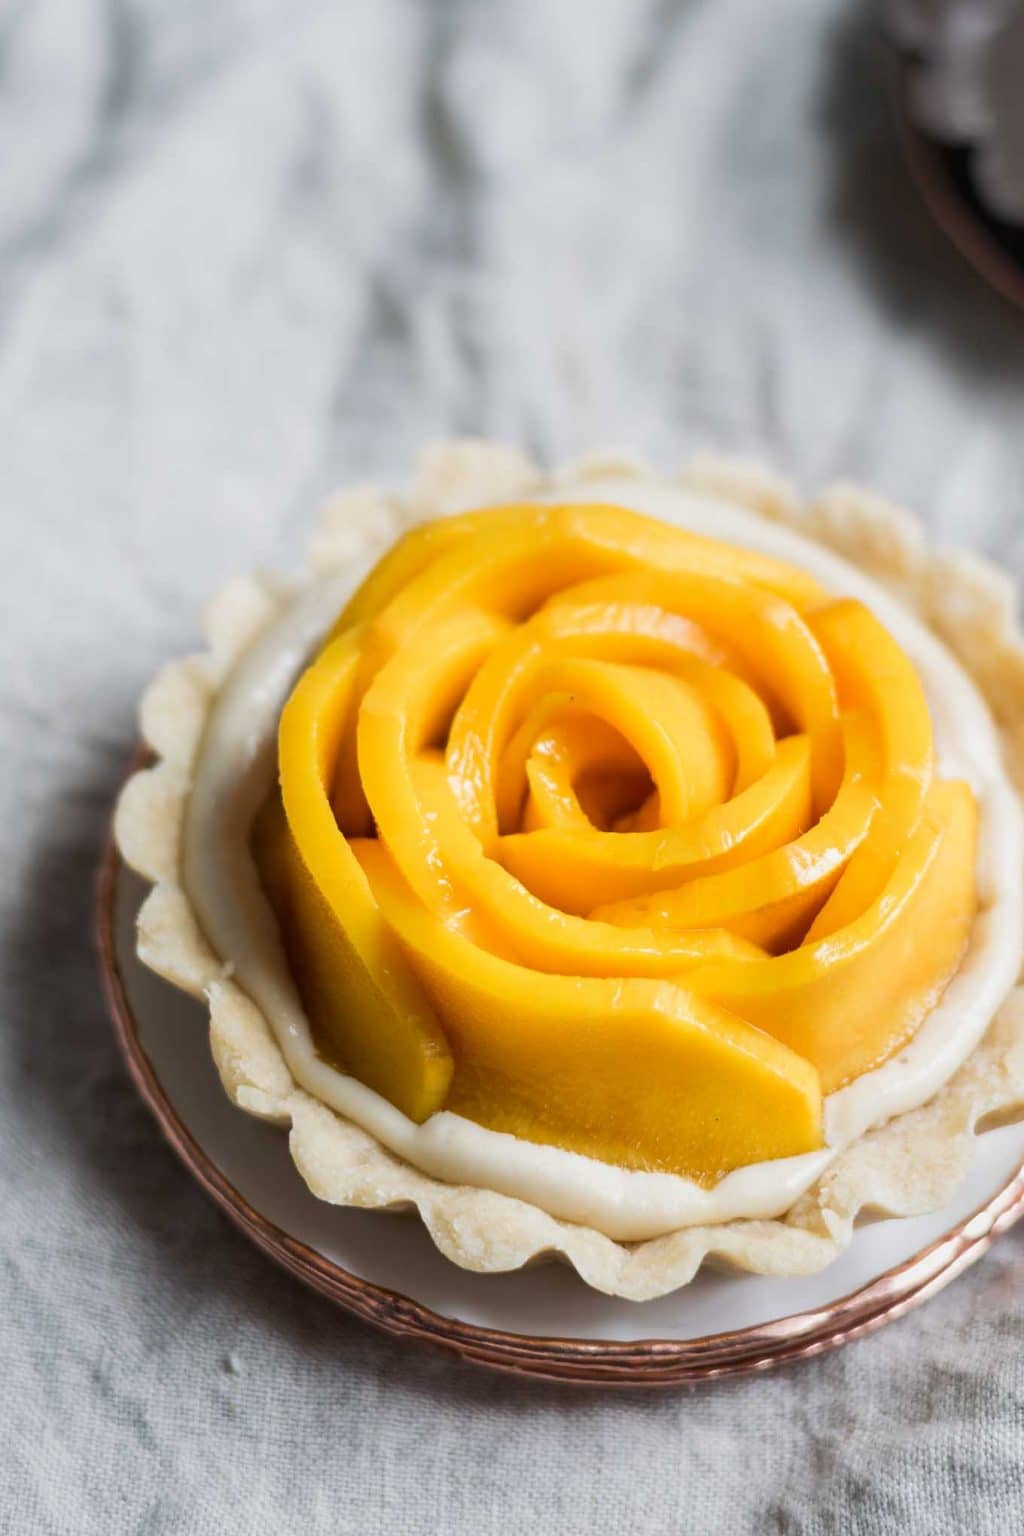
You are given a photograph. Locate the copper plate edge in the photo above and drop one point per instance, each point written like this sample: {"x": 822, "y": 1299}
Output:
{"x": 631, "y": 1365}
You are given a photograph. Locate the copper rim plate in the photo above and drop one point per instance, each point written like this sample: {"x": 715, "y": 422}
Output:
{"x": 632, "y": 1363}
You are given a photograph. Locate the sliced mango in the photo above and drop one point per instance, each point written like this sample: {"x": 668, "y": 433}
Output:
{"x": 639, "y": 1073}
{"x": 578, "y": 869}
{"x": 848, "y": 1002}
{"x": 614, "y": 838}
{"x": 765, "y": 898}
{"x": 369, "y": 1010}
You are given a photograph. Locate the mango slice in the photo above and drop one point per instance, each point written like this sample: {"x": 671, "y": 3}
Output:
{"x": 369, "y": 1011}
{"x": 614, "y": 838}
{"x": 639, "y": 1073}
{"x": 850, "y": 1001}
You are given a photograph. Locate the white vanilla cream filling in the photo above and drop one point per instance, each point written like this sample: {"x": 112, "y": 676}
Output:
{"x": 235, "y": 767}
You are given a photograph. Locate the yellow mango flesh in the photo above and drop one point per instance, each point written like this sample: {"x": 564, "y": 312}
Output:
{"x": 849, "y": 1001}
{"x": 614, "y": 838}
{"x": 369, "y": 1011}
{"x": 639, "y": 1072}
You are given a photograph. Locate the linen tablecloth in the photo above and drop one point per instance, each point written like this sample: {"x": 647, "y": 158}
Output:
{"x": 249, "y": 251}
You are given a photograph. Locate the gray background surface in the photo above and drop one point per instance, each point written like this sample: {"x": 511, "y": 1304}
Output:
{"x": 249, "y": 250}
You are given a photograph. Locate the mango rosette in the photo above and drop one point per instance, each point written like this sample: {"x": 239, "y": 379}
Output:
{"x": 613, "y": 837}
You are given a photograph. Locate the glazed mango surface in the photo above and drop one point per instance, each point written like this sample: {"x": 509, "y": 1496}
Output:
{"x": 613, "y": 837}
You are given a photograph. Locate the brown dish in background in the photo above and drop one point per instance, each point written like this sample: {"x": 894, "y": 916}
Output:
{"x": 942, "y": 172}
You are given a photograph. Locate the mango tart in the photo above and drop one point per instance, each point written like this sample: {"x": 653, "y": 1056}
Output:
{"x": 604, "y": 835}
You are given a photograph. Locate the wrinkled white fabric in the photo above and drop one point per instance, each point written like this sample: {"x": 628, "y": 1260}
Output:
{"x": 250, "y": 249}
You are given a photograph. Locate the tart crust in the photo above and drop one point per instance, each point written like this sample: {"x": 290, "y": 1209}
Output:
{"x": 910, "y": 1166}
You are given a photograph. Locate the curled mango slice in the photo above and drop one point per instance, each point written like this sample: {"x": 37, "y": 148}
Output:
{"x": 614, "y": 838}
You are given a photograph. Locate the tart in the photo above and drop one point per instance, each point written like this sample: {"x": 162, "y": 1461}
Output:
{"x": 607, "y": 866}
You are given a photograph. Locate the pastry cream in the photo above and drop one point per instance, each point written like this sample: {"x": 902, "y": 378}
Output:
{"x": 235, "y": 768}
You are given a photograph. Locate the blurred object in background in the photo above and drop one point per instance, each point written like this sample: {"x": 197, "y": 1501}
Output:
{"x": 962, "y": 98}
{"x": 966, "y": 88}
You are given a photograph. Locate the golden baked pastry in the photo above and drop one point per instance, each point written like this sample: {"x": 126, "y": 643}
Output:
{"x": 593, "y": 849}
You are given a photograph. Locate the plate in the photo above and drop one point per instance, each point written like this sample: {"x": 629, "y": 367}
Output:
{"x": 541, "y": 1322}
